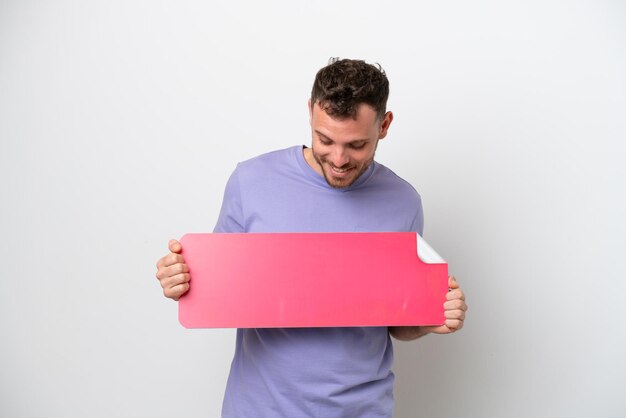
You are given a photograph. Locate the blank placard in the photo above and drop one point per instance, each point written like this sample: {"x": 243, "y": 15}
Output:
{"x": 310, "y": 280}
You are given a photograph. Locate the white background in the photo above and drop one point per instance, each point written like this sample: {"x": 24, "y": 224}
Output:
{"x": 121, "y": 121}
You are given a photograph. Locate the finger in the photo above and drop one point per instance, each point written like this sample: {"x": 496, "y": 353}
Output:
{"x": 455, "y": 304}
{"x": 177, "y": 291}
{"x": 161, "y": 262}
{"x": 173, "y": 258}
{"x": 166, "y": 272}
{"x": 442, "y": 329}
{"x": 455, "y": 294}
{"x": 175, "y": 246}
{"x": 454, "y": 324}
{"x": 455, "y": 314}
{"x": 170, "y": 260}
{"x": 175, "y": 280}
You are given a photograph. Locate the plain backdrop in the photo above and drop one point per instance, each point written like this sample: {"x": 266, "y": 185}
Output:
{"x": 120, "y": 122}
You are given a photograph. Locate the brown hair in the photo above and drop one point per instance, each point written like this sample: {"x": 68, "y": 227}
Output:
{"x": 341, "y": 86}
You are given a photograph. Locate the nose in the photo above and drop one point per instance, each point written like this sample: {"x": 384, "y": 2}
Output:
{"x": 339, "y": 157}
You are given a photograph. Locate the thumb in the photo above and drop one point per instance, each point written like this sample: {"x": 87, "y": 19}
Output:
{"x": 452, "y": 283}
{"x": 175, "y": 246}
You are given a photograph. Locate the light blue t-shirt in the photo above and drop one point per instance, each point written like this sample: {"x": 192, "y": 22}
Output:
{"x": 312, "y": 372}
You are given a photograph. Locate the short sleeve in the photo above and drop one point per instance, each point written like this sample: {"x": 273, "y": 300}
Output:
{"x": 231, "y": 214}
{"x": 418, "y": 221}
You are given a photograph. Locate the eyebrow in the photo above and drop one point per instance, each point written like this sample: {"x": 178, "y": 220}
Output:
{"x": 332, "y": 140}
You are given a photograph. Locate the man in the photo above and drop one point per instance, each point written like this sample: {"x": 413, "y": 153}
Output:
{"x": 333, "y": 186}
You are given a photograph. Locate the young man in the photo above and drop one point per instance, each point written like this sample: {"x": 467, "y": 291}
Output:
{"x": 333, "y": 186}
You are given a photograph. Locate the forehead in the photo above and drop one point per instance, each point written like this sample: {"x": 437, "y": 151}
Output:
{"x": 363, "y": 126}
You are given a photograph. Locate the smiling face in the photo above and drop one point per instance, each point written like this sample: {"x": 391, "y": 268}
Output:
{"x": 343, "y": 148}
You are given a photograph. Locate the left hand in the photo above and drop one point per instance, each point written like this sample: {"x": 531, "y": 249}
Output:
{"x": 454, "y": 307}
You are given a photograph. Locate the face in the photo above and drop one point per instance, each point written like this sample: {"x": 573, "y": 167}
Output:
{"x": 342, "y": 149}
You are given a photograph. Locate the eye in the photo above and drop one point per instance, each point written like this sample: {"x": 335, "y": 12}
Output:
{"x": 357, "y": 145}
{"x": 324, "y": 141}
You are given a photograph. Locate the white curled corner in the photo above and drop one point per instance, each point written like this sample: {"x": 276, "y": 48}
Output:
{"x": 426, "y": 253}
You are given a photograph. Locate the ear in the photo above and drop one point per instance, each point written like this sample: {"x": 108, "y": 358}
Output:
{"x": 310, "y": 111}
{"x": 384, "y": 126}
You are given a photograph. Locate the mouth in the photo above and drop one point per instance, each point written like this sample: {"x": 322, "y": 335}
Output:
{"x": 340, "y": 172}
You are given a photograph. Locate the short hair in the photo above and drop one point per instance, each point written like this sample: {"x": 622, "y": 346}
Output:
{"x": 344, "y": 84}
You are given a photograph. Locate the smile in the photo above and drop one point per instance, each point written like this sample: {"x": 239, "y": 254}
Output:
{"x": 339, "y": 171}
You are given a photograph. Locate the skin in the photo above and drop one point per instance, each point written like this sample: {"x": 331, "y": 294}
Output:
{"x": 341, "y": 150}
{"x": 454, "y": 312}
{"x": 172, "y": 272}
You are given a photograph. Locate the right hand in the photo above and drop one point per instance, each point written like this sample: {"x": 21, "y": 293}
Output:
{"x": 172, "y": 272}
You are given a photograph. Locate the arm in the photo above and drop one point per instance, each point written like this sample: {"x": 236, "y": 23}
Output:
{"x": 407, "y": 333}
{"x": 454, "y": 311}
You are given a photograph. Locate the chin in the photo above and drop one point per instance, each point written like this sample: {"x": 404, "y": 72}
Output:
{"x": 342, "y": 183}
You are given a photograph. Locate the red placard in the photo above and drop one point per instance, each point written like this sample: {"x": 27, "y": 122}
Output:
{"x": 310, "y": 280}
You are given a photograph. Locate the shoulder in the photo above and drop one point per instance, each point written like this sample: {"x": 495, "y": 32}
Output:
{"x": 387, "y": 179}
{"x": 269, "y": 160}
{"x": 267, "y": 172}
